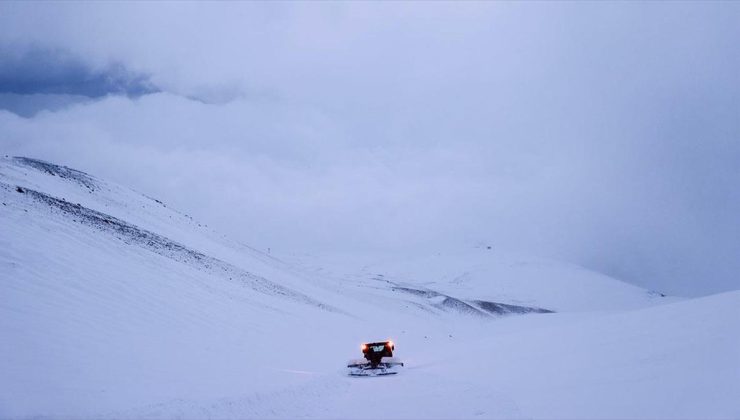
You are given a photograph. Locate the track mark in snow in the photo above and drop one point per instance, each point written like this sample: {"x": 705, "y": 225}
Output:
{"x": 312, "y": 399}
{"x": 299, "y": 372}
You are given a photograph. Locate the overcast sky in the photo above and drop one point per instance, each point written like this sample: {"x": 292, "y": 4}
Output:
{"x": 606, "y": 134}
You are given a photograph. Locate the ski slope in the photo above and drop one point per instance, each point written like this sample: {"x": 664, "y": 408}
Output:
{"x": 113, "y": 305}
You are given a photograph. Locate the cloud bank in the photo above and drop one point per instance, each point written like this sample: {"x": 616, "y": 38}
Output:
{"x": 603, "y": 134}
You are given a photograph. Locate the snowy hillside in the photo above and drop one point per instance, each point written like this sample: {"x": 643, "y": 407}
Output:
{"x": 114, "y": 305}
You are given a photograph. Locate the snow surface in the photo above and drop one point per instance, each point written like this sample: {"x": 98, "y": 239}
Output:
{"x": 113, "y": 305}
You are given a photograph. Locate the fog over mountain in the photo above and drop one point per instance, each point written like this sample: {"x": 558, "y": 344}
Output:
{"x": 604, "y": 134}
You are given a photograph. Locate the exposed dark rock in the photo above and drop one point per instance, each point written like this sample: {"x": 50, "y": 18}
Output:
{"x": 504, "y": 309}
{"x": 417, "y": 292}
{"x": 459, "y": 306}
{"x": 61, "y": 171}
{"x": 474, "y": 307}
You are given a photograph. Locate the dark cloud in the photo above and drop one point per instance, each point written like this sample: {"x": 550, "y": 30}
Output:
{"x": 53, "y": 71}
{"x": 36, "y": 78}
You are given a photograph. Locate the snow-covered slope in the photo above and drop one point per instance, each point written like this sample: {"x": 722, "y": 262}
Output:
{"x": 114, "y": 305}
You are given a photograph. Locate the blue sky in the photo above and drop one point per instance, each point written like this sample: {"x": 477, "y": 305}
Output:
{"x": 601, "y": 133}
